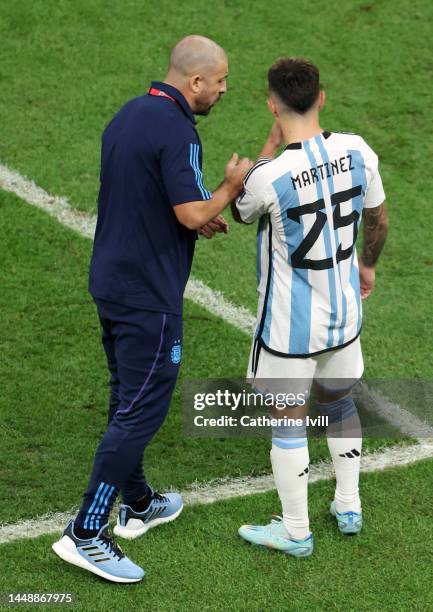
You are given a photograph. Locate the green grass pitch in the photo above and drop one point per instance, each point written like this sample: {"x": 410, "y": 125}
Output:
{"x": 66, "y": 68}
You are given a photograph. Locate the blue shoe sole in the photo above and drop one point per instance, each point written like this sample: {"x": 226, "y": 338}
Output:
{"x": 300, "y": 552}
{"x": 298, "y": 555}
{"x": 350, "y": 530}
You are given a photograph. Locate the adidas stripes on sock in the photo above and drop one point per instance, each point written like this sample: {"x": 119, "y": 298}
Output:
{"x": 344, "y": 436}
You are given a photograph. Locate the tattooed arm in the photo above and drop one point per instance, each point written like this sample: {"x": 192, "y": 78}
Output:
{"x": 375, "y": 231}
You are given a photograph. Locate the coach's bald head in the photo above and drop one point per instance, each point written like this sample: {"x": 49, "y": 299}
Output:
{"x": 198, "y": 68}
{"x": 194, "y": 54}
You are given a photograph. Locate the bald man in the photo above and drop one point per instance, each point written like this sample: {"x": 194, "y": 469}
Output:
{"x": 152, "y": 202}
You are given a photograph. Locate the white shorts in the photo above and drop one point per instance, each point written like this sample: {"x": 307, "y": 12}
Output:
{"x": 338, "y": 369}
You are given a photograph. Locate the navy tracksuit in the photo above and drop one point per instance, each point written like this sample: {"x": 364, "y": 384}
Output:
{"x": 151, "y": 161}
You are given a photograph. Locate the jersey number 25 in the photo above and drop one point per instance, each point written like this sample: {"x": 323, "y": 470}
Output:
{"x": 298, "y": 256}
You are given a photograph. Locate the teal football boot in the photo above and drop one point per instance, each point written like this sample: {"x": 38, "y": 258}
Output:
{"x": 275, "y": 536}
{"x": 349, "y": 523}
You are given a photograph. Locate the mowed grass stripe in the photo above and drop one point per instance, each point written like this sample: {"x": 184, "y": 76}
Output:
{"x": 55, "y": 383}
{"x": 198, "y": 292}
{"x": 55, "y": 391}
{"x": 199, "y": 563}
{"x": 68, "y": 67}
{"x": 209, "y": 493}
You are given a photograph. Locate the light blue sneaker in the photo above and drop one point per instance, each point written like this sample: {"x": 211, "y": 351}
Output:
{"x": 163, "y": 508}
{"x": 275, "y": 536}
{"x": 348, "y": 522}
{"x": 100, "y": 555}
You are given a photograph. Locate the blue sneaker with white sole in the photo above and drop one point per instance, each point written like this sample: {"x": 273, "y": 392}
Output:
{"x": 348, "y": 523}
{"x": 163, "y": 508}
{"x": 275, "y": 536}
{"x": 100, "y": 555}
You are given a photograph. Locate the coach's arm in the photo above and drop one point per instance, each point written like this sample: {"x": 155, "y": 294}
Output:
{"x": 196, "y": 214}
{"x": 375, "y": 231}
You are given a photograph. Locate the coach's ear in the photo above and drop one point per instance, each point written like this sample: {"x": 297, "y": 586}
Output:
{"x": 195, "y": 83}
{"x": 322, "y": 99}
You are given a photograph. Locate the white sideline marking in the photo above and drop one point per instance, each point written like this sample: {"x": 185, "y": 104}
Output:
{"x": 242, "y": 319}
{"x": 55, "y": 206}
{"x": 407, "y": 423}
{"x": 197, "y": 291}
{"x": 216, "y": 303}
{"x": 54, "y": 523}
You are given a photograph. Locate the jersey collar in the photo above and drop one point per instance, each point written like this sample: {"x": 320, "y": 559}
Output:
{"x": 175, "y": 93}
{"x": 298, "y": 145}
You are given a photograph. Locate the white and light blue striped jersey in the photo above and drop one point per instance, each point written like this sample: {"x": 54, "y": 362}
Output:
{"x": 309, "y": 201}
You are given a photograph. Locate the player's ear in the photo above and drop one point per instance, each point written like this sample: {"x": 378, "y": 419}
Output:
{"x": 272, "y": 107}
{"x": 322, "y": 99}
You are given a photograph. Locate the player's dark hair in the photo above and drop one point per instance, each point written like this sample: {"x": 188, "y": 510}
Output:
{"x": 295, "y": 80}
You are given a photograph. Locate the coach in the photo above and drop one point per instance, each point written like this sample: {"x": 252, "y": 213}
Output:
{"x": 152, "y": 201}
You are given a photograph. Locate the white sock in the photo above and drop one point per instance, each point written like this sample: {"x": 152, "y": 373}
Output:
{"x": 346, "y": 457}
{"x": 290, "y": 467}
{"x": 345, "y": 451}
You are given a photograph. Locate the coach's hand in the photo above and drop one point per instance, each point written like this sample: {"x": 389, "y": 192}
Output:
{"x": 216, "y": 225}
{"x": 235, "y": 172}
{"x": 367, "y": 278}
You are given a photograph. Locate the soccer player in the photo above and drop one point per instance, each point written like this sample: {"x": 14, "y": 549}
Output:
{"x": 309, "y": 202}
{"x": 152, "y": 201}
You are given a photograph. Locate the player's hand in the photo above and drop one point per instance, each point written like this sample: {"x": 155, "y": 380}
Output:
{"x": 275, "y": 138}
{"x": 367, "y": 279}
{"x": 274, "y": 141}
{"x": 235, "y": 172}
{"x": 217, "y": 225}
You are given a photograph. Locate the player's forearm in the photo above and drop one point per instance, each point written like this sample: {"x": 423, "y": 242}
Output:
{"x": 375, "y": 232}
{"x": 269, "y": 150}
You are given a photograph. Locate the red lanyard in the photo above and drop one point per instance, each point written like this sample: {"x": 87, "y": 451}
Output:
{"x": 158, "y": 92}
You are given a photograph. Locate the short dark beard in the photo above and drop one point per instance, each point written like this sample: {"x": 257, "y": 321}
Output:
{"x": 203, "y": 112}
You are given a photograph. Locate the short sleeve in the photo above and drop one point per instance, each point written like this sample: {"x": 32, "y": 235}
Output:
{"x": 182, "y": 173}
{"x": 375, "y": 194}
{"x": 256, "y": 199}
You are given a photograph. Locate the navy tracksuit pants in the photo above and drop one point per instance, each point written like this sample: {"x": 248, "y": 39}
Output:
{"x": 143, "y": 352}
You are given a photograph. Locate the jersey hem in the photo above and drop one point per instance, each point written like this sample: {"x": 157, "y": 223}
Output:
{"x": 306, "y": 355}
